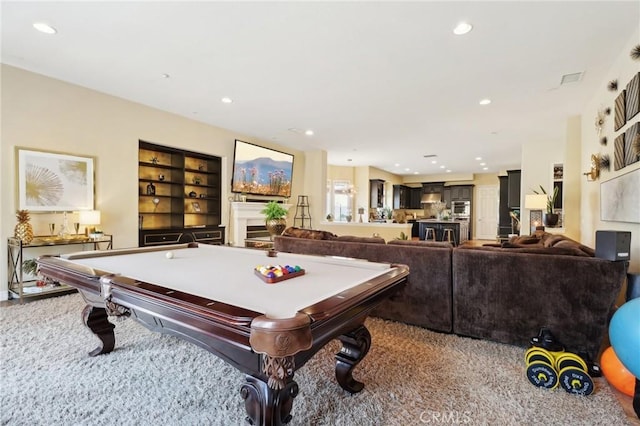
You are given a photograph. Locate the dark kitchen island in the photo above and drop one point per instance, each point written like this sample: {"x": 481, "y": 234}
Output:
{"x": 460, "y": 229}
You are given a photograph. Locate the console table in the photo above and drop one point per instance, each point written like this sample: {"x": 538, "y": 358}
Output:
{"x": 19, "y": 287}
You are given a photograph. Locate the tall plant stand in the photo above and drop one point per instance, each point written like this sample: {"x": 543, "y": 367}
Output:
{"x": 302, "y": 219}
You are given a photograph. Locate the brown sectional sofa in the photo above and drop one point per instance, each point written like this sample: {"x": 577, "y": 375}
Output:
{"x": 503, "y": 293}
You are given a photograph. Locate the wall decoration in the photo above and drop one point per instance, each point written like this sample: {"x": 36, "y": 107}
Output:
{"x": 633, "y": 97}
{"x": 603, "y": 141}
{"x": 635, "y": 145}
{"x": 620, "y": 116}
{"x": 599, "y": 122}
{"x": 613, "y": 85}
{"x": 630, "y": 155}
{"x": 618, "y": 153}
{"x": 605, "y": 162}
{"x": 50, "y": 182}
{"x": 635, "y": 52}
{"x": 620, "y": 198}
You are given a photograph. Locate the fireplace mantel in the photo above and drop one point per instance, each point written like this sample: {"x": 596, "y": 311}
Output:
{"x": 246, "y": 214}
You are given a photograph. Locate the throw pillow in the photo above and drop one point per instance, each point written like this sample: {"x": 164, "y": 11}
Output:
{"x": 310, "y": 234}
{"x": 354, "y": 239}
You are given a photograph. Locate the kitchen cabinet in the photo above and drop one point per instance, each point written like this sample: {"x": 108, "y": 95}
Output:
{"x": 446, "y": 196}
{"x": 377, "y": 193}
{"x": 433, "y": 188}
{"x": 415, "y": 197}
{"x": 514, "y": 189}
{"x": 504, "y": 219}
{"x": 461, "y": 192}
{"x": 401, "y": 197}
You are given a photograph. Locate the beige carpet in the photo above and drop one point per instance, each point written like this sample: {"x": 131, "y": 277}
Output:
{"x": 412, "y": 376}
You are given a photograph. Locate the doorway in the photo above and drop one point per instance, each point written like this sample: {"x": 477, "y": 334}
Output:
{"x": 486, "y": 222}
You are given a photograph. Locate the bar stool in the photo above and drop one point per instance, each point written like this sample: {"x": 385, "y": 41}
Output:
{"x": 448, "y": 235}
{"x": 431, "y": 231}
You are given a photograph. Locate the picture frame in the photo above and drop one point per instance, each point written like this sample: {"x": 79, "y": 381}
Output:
{"x": 54, "y": 182}
{"x": 620, "y": 198}
{"x": 196, "y": 206}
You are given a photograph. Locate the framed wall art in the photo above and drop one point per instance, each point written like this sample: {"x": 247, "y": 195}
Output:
{"x": 53, "y": 182}
{"x": 620, "y": 116}
{"x": 632, "y": 95}
{"x": 620, "y": 198}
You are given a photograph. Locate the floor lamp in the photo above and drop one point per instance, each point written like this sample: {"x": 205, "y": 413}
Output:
{"x": 536, "y": 203}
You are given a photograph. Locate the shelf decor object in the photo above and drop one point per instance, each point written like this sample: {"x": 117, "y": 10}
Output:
{"x": 50, "y": 182}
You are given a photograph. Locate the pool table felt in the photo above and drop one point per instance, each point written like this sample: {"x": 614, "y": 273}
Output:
{"x": 226, "y": 274}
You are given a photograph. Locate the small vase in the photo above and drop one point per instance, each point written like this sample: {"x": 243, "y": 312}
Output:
{"x": 275, "y": 226}
{"x": 550, "y": 219}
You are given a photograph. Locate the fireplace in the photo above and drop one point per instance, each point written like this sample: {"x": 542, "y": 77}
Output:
{"x": 246, "y": 220}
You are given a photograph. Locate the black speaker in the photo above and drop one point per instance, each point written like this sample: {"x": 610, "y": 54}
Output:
{"x": 613, "y": 245}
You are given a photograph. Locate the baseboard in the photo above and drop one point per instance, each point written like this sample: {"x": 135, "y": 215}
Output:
{"x": 4, "y": 295}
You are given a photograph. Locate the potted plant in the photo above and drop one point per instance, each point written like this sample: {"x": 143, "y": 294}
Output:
{"x": 274, "y": 218}
{"x": 550, "y": 218}
{"x": 387, "y": 214}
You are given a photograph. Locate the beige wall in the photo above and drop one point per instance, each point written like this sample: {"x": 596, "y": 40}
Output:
{"x": 623, "y": 69}
{"x": 46, "y": 114}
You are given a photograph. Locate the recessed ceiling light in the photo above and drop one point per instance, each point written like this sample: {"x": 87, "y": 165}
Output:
{"x": 485, "y": 101}
{"x": 415, "y": 173}
{"x": 44, "y": 28}
{"x": 448, "y": 171}
{"x": 308, "y": 132}
{"x": 462, "y": 28}
{"x": 407, "y": 169}
{"x": 165, "y": 75}
{"x": 226, "y": 100}
{"x": 485, "y": 168}
{"x": 442, "y": 167}
{"x": 478, "y": 158}
{"x": 433, "y": 161}
{"x": 396, "y": 165}
{"x": 483, "y": 164}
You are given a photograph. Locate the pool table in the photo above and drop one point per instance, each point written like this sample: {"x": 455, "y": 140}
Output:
{"x": 212, "y": 297}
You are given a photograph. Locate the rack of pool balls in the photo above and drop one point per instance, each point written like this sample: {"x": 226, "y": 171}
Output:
{"x": 275, "y": 273}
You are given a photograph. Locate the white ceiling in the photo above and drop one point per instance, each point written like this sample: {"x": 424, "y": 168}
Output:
{"x": 380, "y": 83}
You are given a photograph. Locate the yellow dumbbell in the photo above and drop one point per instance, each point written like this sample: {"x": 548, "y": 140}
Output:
{"x": 541, "y": 370}
{"x": 572, "y": 373}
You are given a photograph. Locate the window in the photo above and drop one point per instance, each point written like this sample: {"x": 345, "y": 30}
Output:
{"x": 340, "y": 200}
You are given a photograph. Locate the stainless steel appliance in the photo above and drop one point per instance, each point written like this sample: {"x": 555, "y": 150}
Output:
{"x": 461, "y": 209}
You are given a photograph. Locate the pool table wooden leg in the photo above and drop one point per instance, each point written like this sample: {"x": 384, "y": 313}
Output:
{"x": 355, "y": 346}
{"x": 97, "y": 320}
{"x": 268, "y": 406}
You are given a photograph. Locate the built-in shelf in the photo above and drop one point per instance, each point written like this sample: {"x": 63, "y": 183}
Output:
{"x": 179, "y": 191}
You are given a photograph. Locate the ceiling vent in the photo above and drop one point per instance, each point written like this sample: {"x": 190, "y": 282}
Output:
{"x": 430, "y": 155}
{"x": 571, "y": 78}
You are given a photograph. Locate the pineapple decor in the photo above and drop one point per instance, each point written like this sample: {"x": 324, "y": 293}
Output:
{"x": 23, "y": 230}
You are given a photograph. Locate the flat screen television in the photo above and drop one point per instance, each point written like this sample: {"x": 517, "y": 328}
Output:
{"x": 261, "y": 171}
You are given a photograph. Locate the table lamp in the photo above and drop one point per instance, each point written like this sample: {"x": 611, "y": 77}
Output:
{"x": 536, "y": 203}
{"x": 91, "y": 220}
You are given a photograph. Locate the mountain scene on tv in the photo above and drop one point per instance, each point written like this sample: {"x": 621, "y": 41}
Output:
{"x": 263, "y": 176}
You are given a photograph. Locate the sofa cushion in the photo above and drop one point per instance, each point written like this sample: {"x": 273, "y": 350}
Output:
{"x": 421, "y": 243}
{"x": 524, "y": 239}
{"x": 310, "y": 234}
{"x": 570, "y": 244}
{"x": 354, "y": 239}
